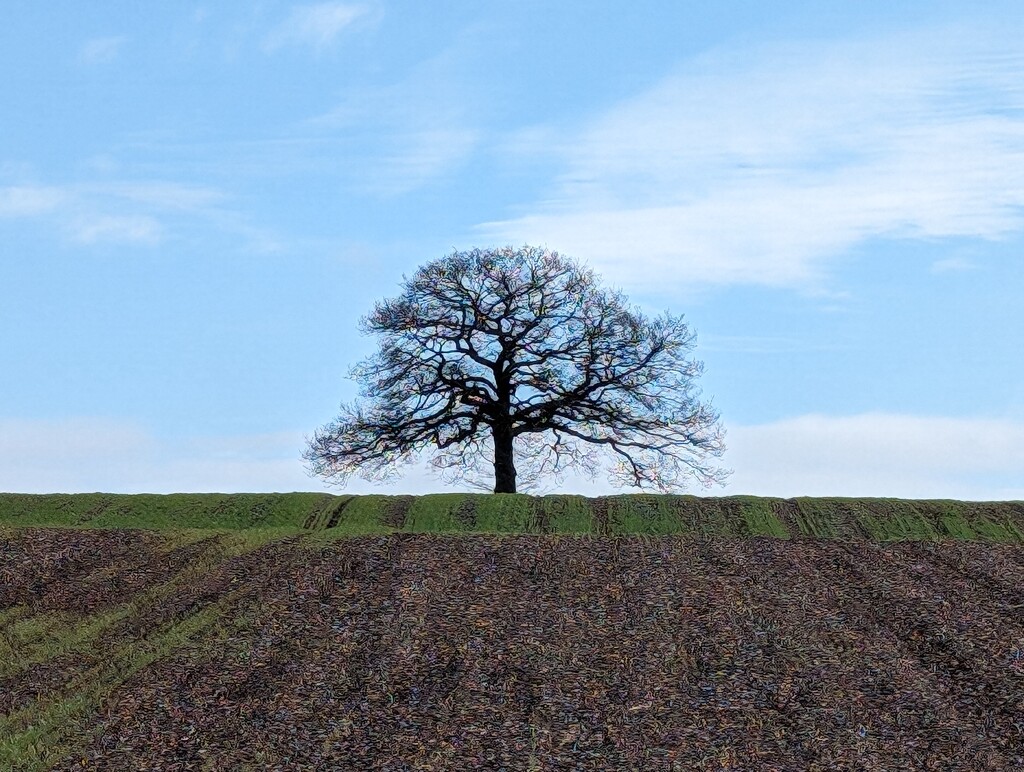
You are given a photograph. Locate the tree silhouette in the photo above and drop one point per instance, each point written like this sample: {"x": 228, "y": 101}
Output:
{"x": 518, "y": 355}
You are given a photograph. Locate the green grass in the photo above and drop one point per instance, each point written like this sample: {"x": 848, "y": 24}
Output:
{"x": 176, "y": 510}
{"x": 337, "y": 516}
{"x": 641, "y": 514}
{"x": 505, "y": 513}
{"x": 567, "y": 513}
{"x": 760, "y": 517}
{"x": 435, "y": 512}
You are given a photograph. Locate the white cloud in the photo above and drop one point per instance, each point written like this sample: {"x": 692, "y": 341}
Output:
{"x": 165, "y": 195}
{"x": 759, "y": 166}
{"x": 878, "y": 454}
{"x": 85, "y": 455}
{"x": 872, "y": 454}
{"x": 953, "y": 265}
{"x": 760, "y": 344}
{"x": 314, "y": 25}
{"x": 117, "y": 212}
{"x": 416, "y": 130}
{"x": 29, "y": 200}
{"x": 419, "y": 156}
{"x": 100, "y": 50}
{"x": 132, "y": 229}
{"x": 60, "y": 443}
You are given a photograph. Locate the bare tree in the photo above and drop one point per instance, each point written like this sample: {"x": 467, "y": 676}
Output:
{"x": 490, "y": 355}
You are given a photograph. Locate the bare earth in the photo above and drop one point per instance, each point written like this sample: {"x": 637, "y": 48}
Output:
{"x": 422, "y": 652}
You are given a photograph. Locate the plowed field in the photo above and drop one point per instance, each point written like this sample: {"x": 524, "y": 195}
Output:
{"x": 136, "y": 649}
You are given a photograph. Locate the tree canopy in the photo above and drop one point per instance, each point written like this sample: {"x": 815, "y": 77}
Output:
{"x": 518, "y": 360}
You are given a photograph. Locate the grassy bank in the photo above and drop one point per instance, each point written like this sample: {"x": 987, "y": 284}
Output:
{"x": 336, "y": 516}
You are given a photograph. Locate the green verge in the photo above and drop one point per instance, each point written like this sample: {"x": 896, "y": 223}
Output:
{"x": 641, "y": 514}
{"x": 437, "y": 513}
{"x": 566, "y": 513}
{"x": 338, "y": 516}
{"x": 505, "y": 513}
{"x": 174, "y": 510}
{"x": 761, "y": 517}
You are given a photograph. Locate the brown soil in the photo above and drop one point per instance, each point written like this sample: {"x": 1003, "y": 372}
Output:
{"x": 410, "y": 652}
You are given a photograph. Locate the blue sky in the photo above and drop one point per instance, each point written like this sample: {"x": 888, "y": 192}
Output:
{"x": 198, "y": 203}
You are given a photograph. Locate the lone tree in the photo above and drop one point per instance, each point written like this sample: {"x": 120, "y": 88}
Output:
{"x": 517, "y": 355}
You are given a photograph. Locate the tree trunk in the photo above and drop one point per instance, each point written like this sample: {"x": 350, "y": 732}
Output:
{"x": 504, "y": 464}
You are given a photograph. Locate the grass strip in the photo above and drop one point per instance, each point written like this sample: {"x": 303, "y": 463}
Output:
{"x": 44, "y": 637}
{"x": 27, "y": 640}
{"x": 44, "y": 731}
{"x": 175, "y": 510}
{"x": 38, "y": 735}
{"x": 876, "y": 519}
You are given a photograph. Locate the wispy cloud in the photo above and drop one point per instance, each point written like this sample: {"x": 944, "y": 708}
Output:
{"x": 759, "y": 344}
{"x": 165, "y": 195}
{"x": 29, "y": 200}
{"x": 953, "y": 265}
{"x": 99, "y": 50}
{"x": 132, "y": 229}
{"x": 116, "y": 212}
{"x": 316, "y": 26}
{"x": 758, "y": 167}
{"x": 414, "y": 130}
{"x": 420, "y": 155}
